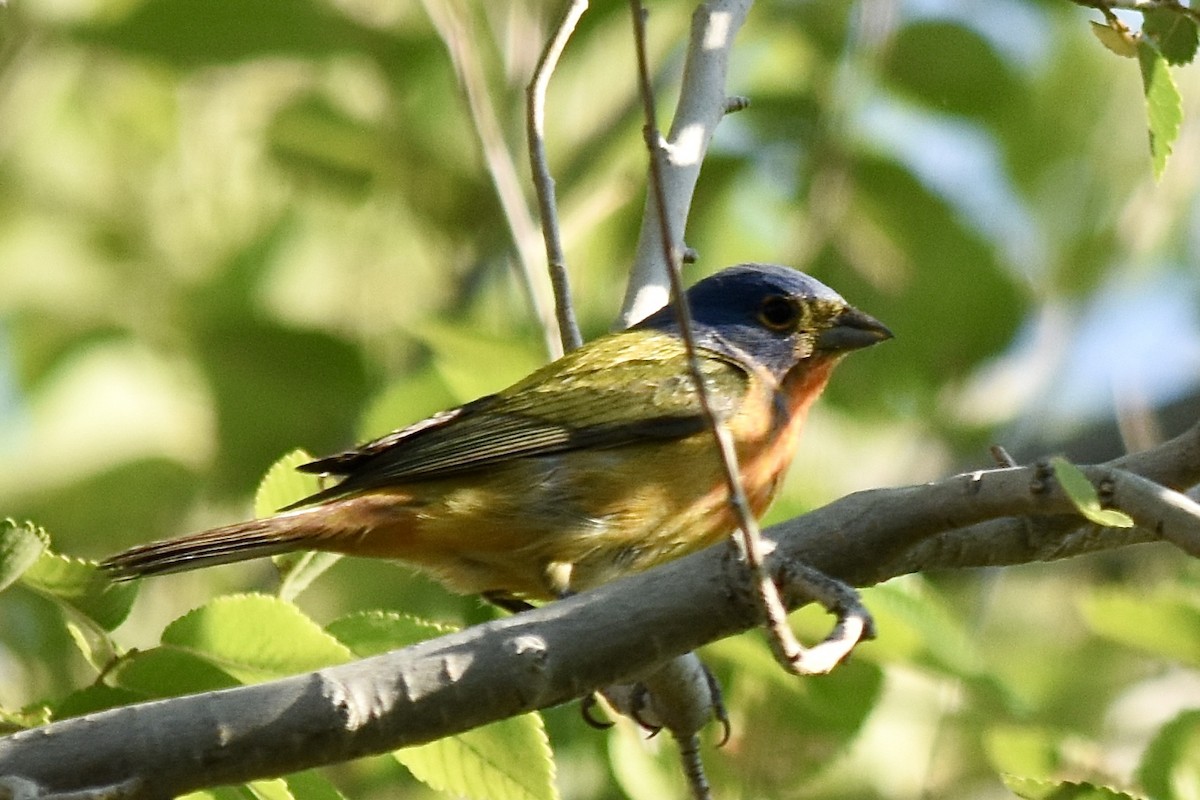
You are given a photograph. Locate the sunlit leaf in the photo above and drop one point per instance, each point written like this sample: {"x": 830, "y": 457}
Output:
{"x": 255, "y": 637}
{"x": 284, "y": 485}
{"x": 81, "y": 586}
{"x": 20, "y": 546}
{"x": 506, "y": 760}
{"x": 1164, "y": 106}
{"x": 1083, "y": 495}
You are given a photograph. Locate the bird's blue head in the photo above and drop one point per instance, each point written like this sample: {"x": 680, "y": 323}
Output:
{"x": 777, "y": 315}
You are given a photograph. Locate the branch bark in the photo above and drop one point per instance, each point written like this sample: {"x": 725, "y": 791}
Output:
{"x": 610, "y": 635}
{"x": 702, "y": 105}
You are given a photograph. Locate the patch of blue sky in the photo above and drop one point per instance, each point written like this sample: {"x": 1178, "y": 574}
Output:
{"x": 1137, "y": 336}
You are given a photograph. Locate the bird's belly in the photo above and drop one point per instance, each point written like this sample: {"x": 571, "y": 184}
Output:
{"x": 596, "y": 514}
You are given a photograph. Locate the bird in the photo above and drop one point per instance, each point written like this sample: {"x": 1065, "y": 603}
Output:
{"x": 597, "y": 465}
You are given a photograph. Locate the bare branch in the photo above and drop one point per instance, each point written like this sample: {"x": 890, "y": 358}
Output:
{"x": 701, "y": 107}
{"x": 566, "y": 649}
{"x": 543, "y": 182}
{"x": 501, "y": 166}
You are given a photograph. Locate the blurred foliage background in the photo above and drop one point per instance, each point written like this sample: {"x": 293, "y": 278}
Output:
{"x": 228, "y": 230}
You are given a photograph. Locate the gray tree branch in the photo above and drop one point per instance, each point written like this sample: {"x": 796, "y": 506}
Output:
{"x": 610, "y": 635}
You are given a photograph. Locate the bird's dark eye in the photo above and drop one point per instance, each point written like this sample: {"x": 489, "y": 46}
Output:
{"x": 778, "y": 313}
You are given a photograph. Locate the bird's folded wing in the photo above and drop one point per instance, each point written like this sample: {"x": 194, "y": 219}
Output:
{"x": 618, "y": 394}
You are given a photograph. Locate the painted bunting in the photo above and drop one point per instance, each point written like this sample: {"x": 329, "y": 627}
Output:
{"x": 596, "y": 465}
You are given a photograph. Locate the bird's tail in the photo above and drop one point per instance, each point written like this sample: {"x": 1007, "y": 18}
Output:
{"x": 239, "y": 542}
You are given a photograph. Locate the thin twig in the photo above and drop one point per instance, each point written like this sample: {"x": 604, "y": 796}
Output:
{"x": 747, "y": 539}
{"x": 1106, "y": 6}
{"x": 500, "y": 164}
{"x": 543, "y": 181}
{"x": 701, "y": 107}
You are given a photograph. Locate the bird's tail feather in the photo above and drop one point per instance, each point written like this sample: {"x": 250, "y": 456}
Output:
{"x": 239, "y": 542}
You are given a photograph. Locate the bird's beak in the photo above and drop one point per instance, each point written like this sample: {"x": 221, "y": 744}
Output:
{"x": 851, "y": 330}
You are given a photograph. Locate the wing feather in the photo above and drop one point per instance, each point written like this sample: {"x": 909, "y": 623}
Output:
{"x": 619, "y": 390}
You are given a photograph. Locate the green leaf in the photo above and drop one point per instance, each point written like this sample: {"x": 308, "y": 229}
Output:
{"x": 96, "y": 697}
{"x": 169, "y": 672}
{"x": 369, "y": 633}
{"x": 31, "y": 717}
{"x": 507, "y": 760}
{"x": 1166, "y": 623}
{"x": 20, "y": 546}
{"x": 1032, "y": 789}
{"x": 916, "y": 624}
{"x": 255, "y": 637}
{"x": 1024, "y": 750}
{"x": 1119, "y": 42}
{"x": 1081, "y": 492}
{"x": 1170, "y": 765}
{"x": 283, "y": 485}
{"x": 312, "y": 785}
{"x": 1172, "y": 32}
{"x": 81, "y": 586}
{"x": 473, "y": 363}
{"x": 270, "y": 789}
{"x": 1164, "y": 107}
{"x": 420, "y": 394}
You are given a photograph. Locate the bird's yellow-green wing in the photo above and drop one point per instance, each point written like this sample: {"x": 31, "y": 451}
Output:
{"x": 628, "y": 387}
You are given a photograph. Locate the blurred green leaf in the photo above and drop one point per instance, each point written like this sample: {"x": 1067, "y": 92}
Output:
{"x": 1172, "y": 32}
{"x": 255, "y": 637}
{"x": 1170, "y": 767}
{"x": 192, "y": 34}
{"x": 21, "y": 544}
{"x": 82, "y": 587}
{"x": 472, "y": 363}
{"x": 276, "y": 387}
{"x": 1084, "y": 496}
{"x": 950, "y": 67}
{"x": 792, "y": 728}
{"x": 137, "y": 500}
{"x": 418, "y": 395}
{"x": 313, "y": 137}
{"x": 1032, "y": 789}
{"x": 1164, "y": 106}
{"x": 1164, "y": 623}
{"x": 1031, "y": 752}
